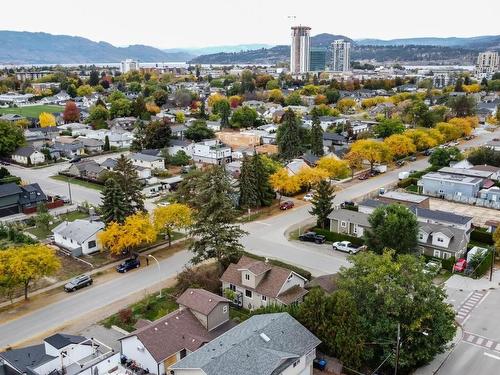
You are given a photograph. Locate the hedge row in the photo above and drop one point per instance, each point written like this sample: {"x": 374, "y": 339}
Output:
{"x": 484, "y": 266}
{"x": 407, "y": 182}
{"x": 483, "y": 237}
{"x": 302, "y": 272}
{"x": 447, "y": 264}
{"x": 334, "y": 237}
{"x": 9, "y": 179}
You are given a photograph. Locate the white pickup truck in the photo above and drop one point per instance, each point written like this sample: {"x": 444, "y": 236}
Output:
{"x": 347, "y": 247}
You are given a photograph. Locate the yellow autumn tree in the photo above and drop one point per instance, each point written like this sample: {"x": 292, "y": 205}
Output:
{"x": 136, "y": 230}
{"x": 152, "y": 108}
{"x": 421, "y": 139}
{"x": 215, "y": 98}
{"x": 465, "y": 124}
{"x": 23, "y": 265}
{"x": 335, "y": 168}
{"x": 169, "y": 218}
{"x": 46, "y": 119}
{"x": 309, "y": 177}
{"x": 345, "y": 104}
{"x": 400, "y": 145}
{"x": 475, "y": 87}
{"x": 180, "y": 117}
{"x": 284, "y": 183}
{"x": 449, "y": 131}
{"x": 372, "y": 151}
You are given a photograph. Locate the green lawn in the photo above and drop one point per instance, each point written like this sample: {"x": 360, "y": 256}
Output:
{"x": 150, "y": 308}
{"x": 75, "y": 181}
{"x": 32, "y": 111}
{"x": 70, "y": 216}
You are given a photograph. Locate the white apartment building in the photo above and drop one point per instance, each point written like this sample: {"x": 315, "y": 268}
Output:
{"x": 341, "y": 54}
{"x": 129, "y": 65}
{"x": 299, "y": 51}
{"x": 211, "y": 152}
{"x": 488, "y": 63}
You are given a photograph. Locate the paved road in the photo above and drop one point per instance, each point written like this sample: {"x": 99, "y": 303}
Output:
{"x": 266, "y": 238}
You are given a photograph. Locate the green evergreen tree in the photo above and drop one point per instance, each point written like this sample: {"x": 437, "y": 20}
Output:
{"x": 265, "y": 192}
{"x": 249, "y": 195}
{"x": 288, "y": 137}
{"x": 316, "y": 136}
{"x": 113, "y": 202}
{"x": 214, "y": 234}
{"x": 106, "y": 144}
{"x": 126, "y": 176}
{"x": 322, "y": 202}
{"x": 203, "y": 111}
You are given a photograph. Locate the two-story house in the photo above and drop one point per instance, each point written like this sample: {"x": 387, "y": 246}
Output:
{"x": 148, "y": 161}
{"x": 155, "y": 346}
{"x": 451, "y": 186}
{"x": 265, "y": 344}
{"x": 256, "y": 284}
{"x": 211, "y": 152}
{"x": 14, "y": 198}
{"x": 176, "y": 145}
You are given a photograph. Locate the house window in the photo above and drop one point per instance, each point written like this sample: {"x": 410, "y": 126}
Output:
{"x": 343, "y": 224}
{"x": 355, "y": 228}
{"x": 224, "y": 309}
{"x": 232, "y": 287}
{"x": 437, "y": 253}
{"x": 420, "y": 236}
{"x": 92, "y": 244}
{"x": 182, "y": 353}
{"x": 296, "y": 363}
{"x": 446, "y": 255}
{"x": 248, "y": 293}
{"x": 264, "y": 298}
{"x": 247, "y": 276}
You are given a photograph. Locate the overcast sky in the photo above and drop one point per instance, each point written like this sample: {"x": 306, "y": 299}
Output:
{"x": 200, "y": 23}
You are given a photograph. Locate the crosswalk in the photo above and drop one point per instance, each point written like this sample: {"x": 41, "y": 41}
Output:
{"x": 484, "y": 342}
{"x": 469, "y": 304}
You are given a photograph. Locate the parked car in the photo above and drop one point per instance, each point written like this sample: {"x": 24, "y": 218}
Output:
{"x": 286, "y": 205}
{"x": 469, "y": 137}
{"x": 78, "y": 282}
{"x": 432, "y": 267}
{"x": 346, "y": 247}
{"x": 453, "y": 144}
{"x": 412, "y": 158}
{"x": 312, "y": 237}
{"x": 460, "y": 265}
{"x": 187, "y": 168}
{"x": 347, "y": 204}
{"x": 364, "y": 176}
{"x": 163, "y": 204}
{"x": 400, "y": 163}
{"x": 403, "y": 175}
{"x": 128, "y": 265}
{"x": 308, "y": 197}
{"x": 428, "y": 152}
{"x": 75, "y": 159}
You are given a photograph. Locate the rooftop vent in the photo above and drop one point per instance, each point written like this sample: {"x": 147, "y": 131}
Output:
{"x": 264, "y": 337}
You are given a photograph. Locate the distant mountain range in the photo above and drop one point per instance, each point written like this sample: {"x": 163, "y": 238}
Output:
{"x": 43, "y": 48}
{"x": 413, "y": 50}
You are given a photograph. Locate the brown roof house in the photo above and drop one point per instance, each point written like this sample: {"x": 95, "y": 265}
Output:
{"x": 202, "y": 316}
{"x": 256, "y": 284}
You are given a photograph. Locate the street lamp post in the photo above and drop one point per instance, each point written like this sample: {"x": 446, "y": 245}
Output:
{"x": 159, "y": 269}
{"x": 69, "y": 189}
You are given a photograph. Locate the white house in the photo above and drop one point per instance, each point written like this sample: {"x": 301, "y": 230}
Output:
{"x": 147, "y": 161}
{"x": 79, "y": 236}
{"x": 28, "y": 155}
{"x": 176, "y": 145}
{"x": 62, "y": 354}
{"x": 211, "y": 152}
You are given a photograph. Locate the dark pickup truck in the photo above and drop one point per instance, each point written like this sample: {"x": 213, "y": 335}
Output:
{"x": 312, "y": 237}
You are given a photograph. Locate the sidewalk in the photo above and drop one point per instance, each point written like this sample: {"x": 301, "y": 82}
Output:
{"x": 466, "y": 283}
{"x": 95, "y": 271}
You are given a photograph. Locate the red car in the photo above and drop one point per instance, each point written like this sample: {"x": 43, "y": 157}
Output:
{"x": 460, "y": 265}
{"x": 286, "y": 205}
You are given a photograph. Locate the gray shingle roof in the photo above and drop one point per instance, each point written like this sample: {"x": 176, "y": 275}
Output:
{"x": 351, "y": 216}
{"x": 9, "y": 189}
{"x": 441, "y": 216}
{"x": 24, "y": 151}
{"x": 61, "y": 340}
{"x": 78, "y": 230}
{"x": 144, "y": 157}
{"x": 28, "y": 357}
{"x": 258, "y": 346}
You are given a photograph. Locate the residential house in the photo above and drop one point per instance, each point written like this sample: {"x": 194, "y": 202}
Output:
{"x": 41, "y": 134}
{"x": 404, "y": 198}
{"x": 68, "y": 146}
{"x": 491, "y": 195}
{"x": 11, "y": 117}
{"x": 176, "y": 145}
{"x": 126, "y": 123}
{"x": 214, "y": 125}
{"x": 211, "y": 151}
{"x": 14, "y": 198}
{"x": 334, "y": 141}
{"x": 494, "y": 171}
{"x": 142, "y": 172}
{"x": 117, "y": 137}
{"x": 434, "y": 239}
{"x": 265, "y": 344}
{"x": 28, "y": 156}
{"x": 178, "y": 130}
{"x": 237, "y": 139}
{"x": 324, "y": 121}
{"x": 87, "y": 169}
{"x": 61, "y": 354}
{"x": 156, "y": 346}
{"x": 91, "y": 145}
{"x": 79, "y": 236}
{"x": 451, "y": 186}
{"x": 295, "y": 166}
{"x": 75, "y": 128}
{"x": 148, "y": 161}
{"x": 257, "y": 283}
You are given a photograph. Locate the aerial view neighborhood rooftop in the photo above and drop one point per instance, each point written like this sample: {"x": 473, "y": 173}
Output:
{"x": 249, "y": 188}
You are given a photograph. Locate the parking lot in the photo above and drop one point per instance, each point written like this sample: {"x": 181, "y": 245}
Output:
{"x": 480, "y": 214}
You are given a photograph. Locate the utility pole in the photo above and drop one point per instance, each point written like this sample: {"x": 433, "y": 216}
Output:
{"x": 69, "y": 189}
{"x": 398, "y": 340}
{"x": 492, "y": 262}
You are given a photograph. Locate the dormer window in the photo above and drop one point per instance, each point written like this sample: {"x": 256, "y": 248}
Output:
{"x": 247, "y": 276}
